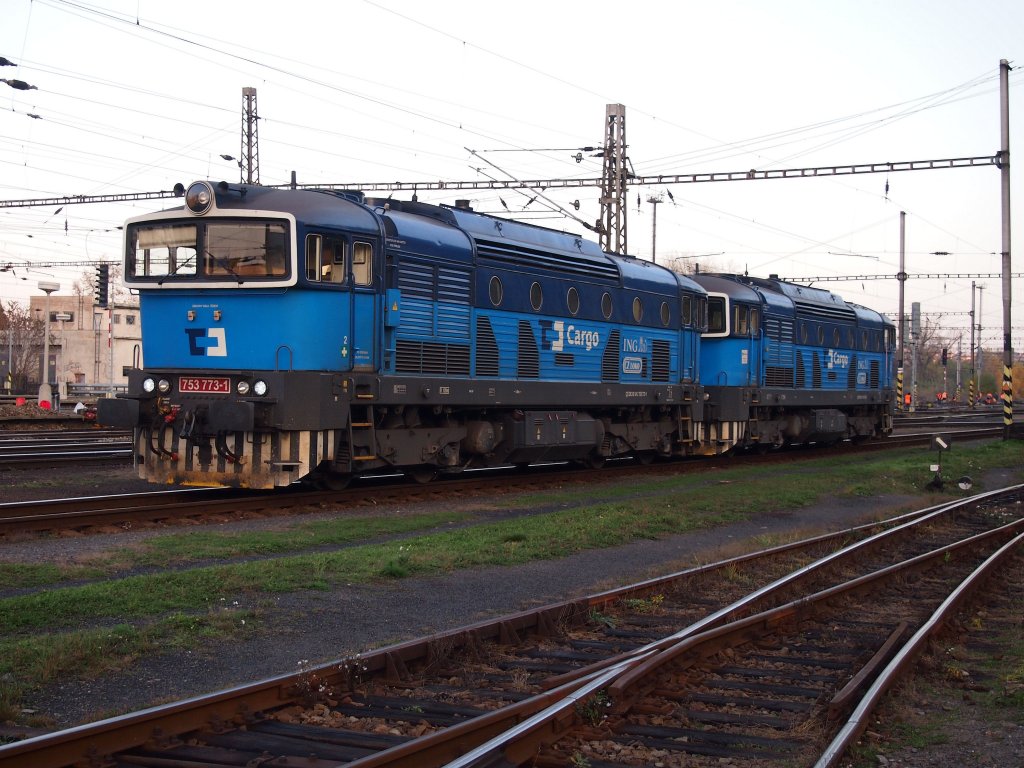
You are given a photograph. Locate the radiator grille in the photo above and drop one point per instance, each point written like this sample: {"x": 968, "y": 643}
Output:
{"x": 661, "y": 364}
{"x": 777, "y": 376}
{"x": 610, "y": 358}
{"x": 487, "y": 356}
{"x": 528, "y": 361}
{"x": 431, "y": 357}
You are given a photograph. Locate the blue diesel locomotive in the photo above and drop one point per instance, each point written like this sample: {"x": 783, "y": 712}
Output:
{"x": 783, "y": 363}
{"x": 320, "y": 335}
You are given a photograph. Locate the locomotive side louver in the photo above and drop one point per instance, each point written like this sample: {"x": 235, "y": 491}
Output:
{"x": 431, "y": 357}
{"x": 779, "y": 354}
{"x": 487, "y": 356}
{"x": 511, "y": 254}
{"x": 610, "y": 358}
{"x": 661, "y": 362}
{"x": 777, "y": 376}
{"x": 528, "y": 361}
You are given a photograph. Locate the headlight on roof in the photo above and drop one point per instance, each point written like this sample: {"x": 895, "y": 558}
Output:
{"x": 199, "y": 197}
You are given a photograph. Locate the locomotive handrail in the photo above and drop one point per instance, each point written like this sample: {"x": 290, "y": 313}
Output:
{"x": 277, "y": 358}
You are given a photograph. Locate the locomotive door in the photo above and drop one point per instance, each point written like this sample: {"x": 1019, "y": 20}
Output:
{"x": 756, "y": 369}
{"x": 746, "y": 324}
{"x": 364, "y": 346}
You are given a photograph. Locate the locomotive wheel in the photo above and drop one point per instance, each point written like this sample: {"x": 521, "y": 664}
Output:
{"x": 643, "y": 458}
{"x": 593, "y": 461}
{"x": 422, "y": 474}
{"x": 334, "y": 481}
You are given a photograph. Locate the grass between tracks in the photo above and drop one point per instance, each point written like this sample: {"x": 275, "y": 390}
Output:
{"x": 43, "y": 631}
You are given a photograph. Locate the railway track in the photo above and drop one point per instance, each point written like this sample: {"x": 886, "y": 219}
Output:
{"x": 129, "y": 510}
{"x": 52, "y": 447}
{"x": 760, "y": 657}
{"x": 42, "y": 448}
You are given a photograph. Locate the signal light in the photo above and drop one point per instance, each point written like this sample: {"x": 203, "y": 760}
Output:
{"x": 944, "y": 356}
{"x": 103, "y": 285}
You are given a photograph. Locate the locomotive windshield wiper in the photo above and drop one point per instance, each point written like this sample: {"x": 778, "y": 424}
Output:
{"x": 174, "y": 271}
{"x": 221, "y": 262}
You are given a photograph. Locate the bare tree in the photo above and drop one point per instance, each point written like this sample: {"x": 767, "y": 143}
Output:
{"x": 23, "y": 343}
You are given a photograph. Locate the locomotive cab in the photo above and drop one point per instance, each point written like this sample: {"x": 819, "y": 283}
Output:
{"x": 255, "y": 303}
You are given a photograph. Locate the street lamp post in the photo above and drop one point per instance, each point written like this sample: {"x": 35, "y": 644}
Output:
{"x": 45, "y": 391}
{"x": 62, "y": 380}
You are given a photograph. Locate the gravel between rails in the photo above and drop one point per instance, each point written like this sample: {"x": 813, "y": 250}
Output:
{"x": 324, "y": 625}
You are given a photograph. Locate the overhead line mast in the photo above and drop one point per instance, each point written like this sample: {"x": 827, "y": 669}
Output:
{"x": 250, "y": 163}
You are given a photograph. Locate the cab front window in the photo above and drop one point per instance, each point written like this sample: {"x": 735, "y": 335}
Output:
{"x": 208, "y": 250}
{"x": 160, "y": 250}
{"x": 245, "y": 250}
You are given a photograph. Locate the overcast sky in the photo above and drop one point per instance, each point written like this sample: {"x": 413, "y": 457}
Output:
{"x": 137, "y": 96}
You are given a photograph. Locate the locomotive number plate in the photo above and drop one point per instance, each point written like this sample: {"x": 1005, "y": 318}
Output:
{"x": 216, "y": 385}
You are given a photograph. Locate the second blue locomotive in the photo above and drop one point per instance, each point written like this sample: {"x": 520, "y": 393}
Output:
{"x": 784, "y": 363}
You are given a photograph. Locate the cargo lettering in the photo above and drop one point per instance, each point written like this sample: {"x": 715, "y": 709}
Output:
{"x": 836, "y": 359}
{"x": 573, "y": 337}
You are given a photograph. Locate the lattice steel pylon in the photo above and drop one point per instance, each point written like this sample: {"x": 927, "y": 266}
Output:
{"x": 612, "y": 225}
{"x": 250, "y": 163}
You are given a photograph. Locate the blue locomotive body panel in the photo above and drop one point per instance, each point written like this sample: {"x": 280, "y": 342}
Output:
{"x": 233, "y": 330}
{"x": 518, "y": 302}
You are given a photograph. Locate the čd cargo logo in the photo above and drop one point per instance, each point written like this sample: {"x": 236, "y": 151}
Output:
{"x": 208, "y": 342}
{"x": 568, "y": 337}
{"x": 835, "y": 359}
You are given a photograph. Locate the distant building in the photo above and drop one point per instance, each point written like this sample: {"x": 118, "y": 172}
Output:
{"x": 90, "y": 345}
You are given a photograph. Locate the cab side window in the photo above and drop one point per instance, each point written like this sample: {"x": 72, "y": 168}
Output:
{"x": 325, "y": 258}
{"x": 740, "y": 320}
{"x": 362, "y": 263}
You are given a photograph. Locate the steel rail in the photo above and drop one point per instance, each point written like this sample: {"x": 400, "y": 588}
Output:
{"x": 858, "y": 719}
{"x": 645, "y": 668}
{"x": 735, "y": 609}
